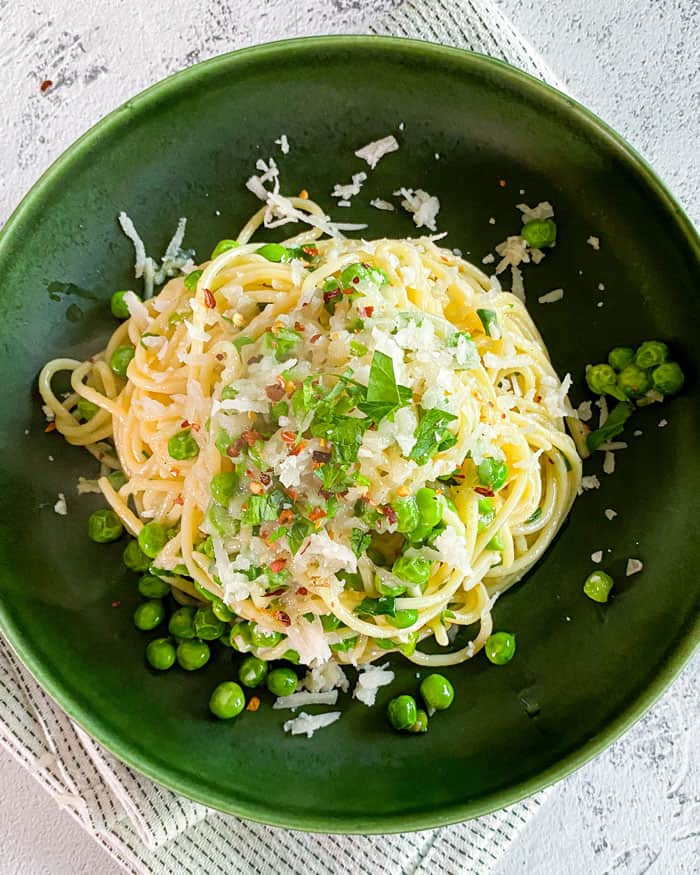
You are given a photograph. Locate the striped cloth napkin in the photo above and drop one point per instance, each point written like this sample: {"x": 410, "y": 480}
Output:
{"x": 148, "y": 829}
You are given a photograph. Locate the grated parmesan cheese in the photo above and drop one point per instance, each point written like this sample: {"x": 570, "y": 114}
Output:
{"x": 307, "y": 724}
{"x": 594, "y": 242}
{"x": 345, "y": 192}
{"x": 551, "y": 297}
{"x": 283, "y": 143}
{"x": 380, "y": 204}
{"x": 591, "y": 481}
{"x": 488, "y": 259}
{"x": 663, "y": 423}
{"x": 634, "y": 566}
{"x": 48, "y": 413}
{"x": 597, "y": 557}
{"x": 584, "y": 411}
{"x": 298, "y": 700}
{"x": 61, "y": 506}
{"x": 609, "y": 462}
{"x": 327, "y": 676}
{"x": 373, "y": 152}
{"x": 423, "y": 206}
{"x": 370, "y": 679}
{"x": 610, "y": 514}
{"x": 543, "y": 210}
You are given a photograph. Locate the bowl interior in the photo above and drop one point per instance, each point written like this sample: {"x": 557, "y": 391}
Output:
{"x": 185, "y": 148}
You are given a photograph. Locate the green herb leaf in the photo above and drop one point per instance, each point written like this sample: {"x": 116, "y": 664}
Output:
{"x": 360, "y": 541}
{"x": 240, "y": 342}
{"x": 298, "y": 533}
{"x": 432, "y": 436}
{"x": 489, "y": 320}
{"x": 613, "y": 426}
{"x": 383, "y": 606}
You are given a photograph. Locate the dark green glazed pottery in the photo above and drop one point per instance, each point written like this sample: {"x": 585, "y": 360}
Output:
{"x": 583, "y": 672}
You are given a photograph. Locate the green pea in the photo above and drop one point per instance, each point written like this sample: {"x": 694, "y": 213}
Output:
{"x": 421, "y": 724}
{"x": 224, "y": 246}
{"x": 282, "y": 681}
{"x": 206, "y": 625}
{"x": 492, "y": 473}
{"x": 407, "y": 514}
{"x": 207, "y": 547}
{"x": 633, "y": 381}
{"x": 500, "y": 648}
{"x": 650, "y": 354}
{"x": 221, "y": 611}
{"x": 388, "y": 587}
{"x": 116, "y": 479}
{"x": 149, "y": 614}
{"x": 252, "y": 671}
{"x": 412, "y": 569}
{"x": 183, "y": 446}
{"x": 420, "y": 534}
{"x": 152, "y": 538}
{"x": 403, "y": 619}
{"x": 225, "y": 524}
{"x": 120, "y": 359}
{"x": 240, "y": 630}
{"x": 487, "y": 513}
{"x": 407, "y": 647}
{"x": 274, "y": 252}
{"x": 291, "y": 656}
{"x": 85, "y": 409}
{"x": 192, "y": 279}
{"x": 431, "y": 506}
{"x": 134, "y": 558}
{"x": 402, "y": 712}
{"x": 601, "y": 379}
{"x": 227, "y": 701}
{"x": 223, "y": 486}
{"x": 192, "y": 655}
{"x": 160, "y": 653}
{"x": 261, "y": 637}
{"x": 117, "y": 304}
{"x": 104, "y": 526}
{"x": 181, "y": 623}
{"x": 598, "y": 585}
{"x": 152, "y": 587}
{"x": 540, "y": 233}
{"x": 620, "y": 356}
{"x": 496, "y": 543}
{"x": 668, "y": 378}
{"x": 437, "y": 692}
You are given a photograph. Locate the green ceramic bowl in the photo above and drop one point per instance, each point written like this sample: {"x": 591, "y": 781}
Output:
{"x": 583, "y": 672}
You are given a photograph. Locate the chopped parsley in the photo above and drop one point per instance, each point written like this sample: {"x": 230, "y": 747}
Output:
{"x": 432, "y": 436}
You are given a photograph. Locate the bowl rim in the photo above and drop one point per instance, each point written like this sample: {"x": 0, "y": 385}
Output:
{"x": 676, "y": 656}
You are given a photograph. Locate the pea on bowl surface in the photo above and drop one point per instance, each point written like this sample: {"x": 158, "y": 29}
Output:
{"x": 582, "y": 672}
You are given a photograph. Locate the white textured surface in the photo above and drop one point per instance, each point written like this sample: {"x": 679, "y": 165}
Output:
{"x": 637, "y": 807}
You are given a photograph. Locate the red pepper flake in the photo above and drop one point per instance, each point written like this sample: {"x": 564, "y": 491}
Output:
{"x": 234, "y": 450}
{"x": 321, "y": 456}
{"x": 50, "y": 427}
{"x": 196, "y": 426}
{"x": 538, "y": 398}
{"x": 299, "y": 326}
{"x": 316, "y": 514}
{"x": 265, "y": 479}
{"x": 302, "y": 590}
{"x": 174, "y": 472}
{"x": 292, "y": 493}
{"x": 219, "y": 356}
{"x": 275, "y": 392}
{"x": 179, "y": 500}
{"x": 116, "y": 604}
{"x": 310, "y": 250}
{"x": 368, "y": 311}
{"x": 275, "y": 592}
{"x": 286, "y": 516}
{"x": 299, "y": 447}
{"x": 502, "y": 183}
{"x": 184, "y": 424}
{"x": 389, "y": 513}
{"x": 256, "y": 488}
{"x": 250, "y": 436}
{"x": 288, "y": 437}
{"x": 314, "y": 338}
{"x": 45, "y": 85}
{"x": 209, "y": 300}
{"x": 284, "y": 618}
{"x": 303, "y": 194}
{"x": 334, "y": 295}
{"x": 484, "y": 490}
{"x": 277, "y": 565}
{"x": 550, "y": 460}
{"x": 253, "y": 704}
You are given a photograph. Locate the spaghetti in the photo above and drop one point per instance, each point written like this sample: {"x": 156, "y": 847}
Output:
{"x": 389, "y": 427}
